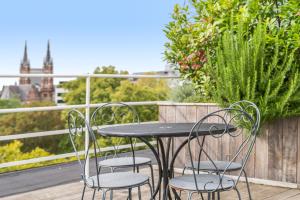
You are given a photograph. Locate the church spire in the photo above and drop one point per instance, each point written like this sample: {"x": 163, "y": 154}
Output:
{"x": 25, "y": 67}
{"x": 48, "y": 59}
{"x": 25, "y": 61}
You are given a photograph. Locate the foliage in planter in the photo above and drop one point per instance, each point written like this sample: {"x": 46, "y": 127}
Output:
{"x": 243, "y": 69}
{"x": 185, "y": 92}
{"x": 198, "y": 26}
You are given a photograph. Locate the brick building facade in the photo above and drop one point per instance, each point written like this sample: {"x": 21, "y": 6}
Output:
{"x": 32, "y": 88}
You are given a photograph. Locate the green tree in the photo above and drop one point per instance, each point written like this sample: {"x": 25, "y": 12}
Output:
{"x": 101, "y": 88}
{"x": 9, "y": 103}
{"x": 16, "y": 123}
{"x": 142, "y": 90}
{"x": 13, "y": 152}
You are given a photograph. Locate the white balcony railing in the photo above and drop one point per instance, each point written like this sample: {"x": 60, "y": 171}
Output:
{"x": 87, "y": 107}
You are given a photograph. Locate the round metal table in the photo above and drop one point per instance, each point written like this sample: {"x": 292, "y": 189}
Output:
{"x": 160, "y": 131}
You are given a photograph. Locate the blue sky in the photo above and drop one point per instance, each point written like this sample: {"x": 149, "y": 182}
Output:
{"x": 85, "y": 34}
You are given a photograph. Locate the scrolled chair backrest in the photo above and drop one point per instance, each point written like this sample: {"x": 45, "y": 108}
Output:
{"x": 238, "y": 118}
{"x": 78, "y": 127}
{"x": 116, "y": 113}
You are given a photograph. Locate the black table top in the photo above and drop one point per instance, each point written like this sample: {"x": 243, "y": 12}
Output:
{"x": 160, "y": 130}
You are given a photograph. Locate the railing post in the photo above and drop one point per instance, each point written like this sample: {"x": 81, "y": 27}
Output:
{"x": 87, "y": 117}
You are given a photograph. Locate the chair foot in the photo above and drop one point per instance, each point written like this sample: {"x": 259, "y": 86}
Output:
{"x": 94, "y": 194}
{"x": 83, "y": 191}
{"x": 139, "y": 193}
{"x": 151, "y": 191}
{"x": 238, "y": 193}
{"x": 190, "y": 196}
{"x": 201, "y": 196}
{"x": 152, "y": 177}
{"x": 104, "y": 194}
{"x": 248, "y": 185}
{"x": 129, "y": 194}
{"x": 111, "y": 195}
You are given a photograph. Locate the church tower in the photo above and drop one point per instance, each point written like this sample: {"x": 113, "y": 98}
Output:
{"x": 25, "y": 67}
{"x": 47, "y": 87}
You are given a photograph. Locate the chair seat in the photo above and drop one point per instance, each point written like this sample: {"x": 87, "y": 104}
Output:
{"x": 208, "y": 166}
{"x": 124, "y": 162}
{"x": 205, "y": 182}
{"x": 118, "y": 180}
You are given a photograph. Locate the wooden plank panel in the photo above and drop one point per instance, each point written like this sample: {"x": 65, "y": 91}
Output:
{"x": 235, "y": 144}
{"x": 250, "y": 165}
{"x": 191, "y": 116}
{"x": 170, "y": 112}
{"x": 180, "y": 117}
{"x": 212, "y": 142}
{"x": 261, "y": 156}
{"x": 162, "y": 113}
{"x": 201, "y": 112}
{"x": 275, "y": 150}
{"x": 298, "y": 160}
{"x": 274, "y": 157}
{"x": 289, "y": 155}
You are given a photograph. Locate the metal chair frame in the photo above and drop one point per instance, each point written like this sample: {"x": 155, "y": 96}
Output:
{"x": 100, "y": 118}
{"x": 77, "y": 126}
{"x": 242, "y": 114}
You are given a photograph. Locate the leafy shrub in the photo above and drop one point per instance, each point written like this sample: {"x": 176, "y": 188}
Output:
{"x": 198, "y": 26}
{"x": 241, "y": 72}
{"x": 185, "y": 93}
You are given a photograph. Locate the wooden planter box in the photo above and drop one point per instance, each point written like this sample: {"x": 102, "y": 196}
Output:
{"x": 275, "y": 157}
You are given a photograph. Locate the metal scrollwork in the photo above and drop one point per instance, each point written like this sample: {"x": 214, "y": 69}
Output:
{"x": 115, "y": 113}
{"x": 239, "y": 116}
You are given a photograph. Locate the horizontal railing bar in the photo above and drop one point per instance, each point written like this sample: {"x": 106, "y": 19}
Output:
{"x": 89, "y": 75}
{"x": 32, "y": 135}
{"x": 63, "y": 107}
{"x": 47, "y": 133}
{"x": 66, "y": 155}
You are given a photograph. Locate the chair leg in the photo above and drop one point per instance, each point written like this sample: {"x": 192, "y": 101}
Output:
{"x": 248, "y": 185}
{"x": 103, "y": 194}
{"x": 151, "y": 191}
{"x": 139, "y": 193}
{"x": 183, "y": 171}
{"x": 213, "y": 196}
{"x": 94, "y": 194}
{"x": 238, "y": 193}
{"x": 177, "y": 197}
{"x": 219, "y": 196}
{"x": 190, "y": 194}
{"x": 83, "y": 191}
{"x": 152, "y": 177}
{"x": 139, "y": 188}
{"x": 129, "y": 194}
{"x": 201, "y": 195}
{"x": 111, "y": 195}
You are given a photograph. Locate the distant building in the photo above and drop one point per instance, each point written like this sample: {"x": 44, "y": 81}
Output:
{"x": 32, "y": 88}
{"x": 59, "y": 92}
{"x": 167, "y": 72}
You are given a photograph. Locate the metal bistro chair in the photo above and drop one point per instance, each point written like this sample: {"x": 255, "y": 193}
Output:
{"x": 116, "y": 113}
{"x": 103, "y": 182}
{"x": 242, "y": 115}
